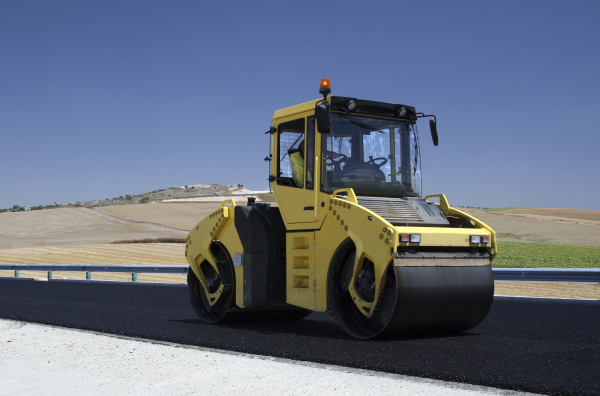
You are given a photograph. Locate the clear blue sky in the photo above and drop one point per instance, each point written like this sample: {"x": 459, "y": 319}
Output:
{"x": 106, "y": 98}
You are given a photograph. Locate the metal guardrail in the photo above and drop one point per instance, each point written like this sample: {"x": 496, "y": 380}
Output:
{"x": 159, "y": 269}
{"x": 500, "y": 274}
{"x": 89, "y": 268}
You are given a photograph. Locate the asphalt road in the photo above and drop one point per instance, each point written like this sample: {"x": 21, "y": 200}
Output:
{"x": 550, "y": 348}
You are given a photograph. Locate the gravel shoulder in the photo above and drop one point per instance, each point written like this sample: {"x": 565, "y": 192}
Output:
{"x": 40, "y": 359}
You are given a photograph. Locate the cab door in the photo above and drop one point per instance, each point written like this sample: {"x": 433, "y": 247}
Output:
{"x": 295, "y": 163}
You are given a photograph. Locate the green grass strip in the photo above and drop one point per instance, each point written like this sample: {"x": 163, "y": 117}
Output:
{"x": 545, "y": 255}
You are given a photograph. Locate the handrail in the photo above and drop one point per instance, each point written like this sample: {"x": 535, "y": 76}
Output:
{"x": 500, "y": 274}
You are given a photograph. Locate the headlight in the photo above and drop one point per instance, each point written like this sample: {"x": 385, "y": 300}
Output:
{"x": 477, "y": 239}
{"x": 412, "y": 238}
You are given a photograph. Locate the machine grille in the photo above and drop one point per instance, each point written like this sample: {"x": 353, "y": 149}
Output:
{"x": 396, "y": 211}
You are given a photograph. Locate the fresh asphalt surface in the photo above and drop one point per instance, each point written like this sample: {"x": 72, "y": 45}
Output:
{"x": 551, "y": 348}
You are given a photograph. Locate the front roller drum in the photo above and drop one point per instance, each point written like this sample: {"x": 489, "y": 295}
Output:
{"x": 441, "y": 299}
{"x": 416, "y": 300}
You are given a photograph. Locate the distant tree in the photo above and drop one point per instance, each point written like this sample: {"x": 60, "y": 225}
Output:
{"x": 121, "y": 197}
{"x": 127, "y": 196}
{"x": 145, "y": 199}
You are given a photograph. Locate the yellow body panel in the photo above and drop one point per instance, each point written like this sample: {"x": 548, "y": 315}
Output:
{"x": 434, "y": 236}
{"x": 327, "y": 240}
{"x": 219, "y": 225}
{"x": 374, "y": 238}
{"x": 292, "y": 200}
{"x": 450, "y": 211}
{"x": 295, "y": 213}
{"x": 300, "y": 269}
{"x": 293, "y": 111}
{"x": 230, "y": 238}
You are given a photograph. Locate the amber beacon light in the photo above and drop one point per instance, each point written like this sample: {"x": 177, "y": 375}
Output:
{"x": 325, "y": 88}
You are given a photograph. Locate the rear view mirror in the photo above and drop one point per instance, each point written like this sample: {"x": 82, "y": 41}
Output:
{"x": 434, "y": 134}
{"x": 323, "y": 116}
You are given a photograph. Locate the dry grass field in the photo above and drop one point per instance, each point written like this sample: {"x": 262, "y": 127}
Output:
{"x": 73, "y": 226}
{"x": 526, "y": 225}
{"x": 83, "y": 236}
{"x": 110, "y": 254}
{"x": 118, "y": 254}
{"x": 570, "y": 215}
{"x": 181, "y": 215}
{"x": 588, "y": 291}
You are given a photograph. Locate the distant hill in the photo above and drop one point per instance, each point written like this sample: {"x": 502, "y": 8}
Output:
{"x": 177, "y": 192}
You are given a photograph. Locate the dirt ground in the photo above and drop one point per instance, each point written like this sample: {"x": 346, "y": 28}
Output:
{"x": 577, "y": 215}
{"x": 73, "y": 226}
{"x": 117, "y": 254}
{"x": 179, "y": 215}
{"x": 588, "y": 291}
{"x": 529, "y": 227}
{"x": 82, "y": 236}
{"x": 120, "y": 254}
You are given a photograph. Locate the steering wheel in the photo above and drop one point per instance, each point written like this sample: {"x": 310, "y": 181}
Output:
{"x": 372, "y": 161}
{"x": 334, "y": 163}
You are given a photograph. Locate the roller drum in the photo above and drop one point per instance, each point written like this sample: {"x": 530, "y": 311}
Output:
{"x": 440, "y": 299}
{"x": 419, "y": 297}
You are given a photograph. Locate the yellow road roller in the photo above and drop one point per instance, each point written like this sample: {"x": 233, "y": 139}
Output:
{"x": 351, "y": 232}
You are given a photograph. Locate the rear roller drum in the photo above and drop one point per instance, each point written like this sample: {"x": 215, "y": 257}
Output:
{"x": 414, "y": 301}
{"x": 224, "y": 276}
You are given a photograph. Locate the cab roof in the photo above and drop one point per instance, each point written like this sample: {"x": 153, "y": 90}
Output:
{"x": 339, "y": 103}
{"x": 300, "y": 108}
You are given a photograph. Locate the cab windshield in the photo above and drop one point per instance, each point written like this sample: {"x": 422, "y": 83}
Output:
{"x": 377, "y": 157}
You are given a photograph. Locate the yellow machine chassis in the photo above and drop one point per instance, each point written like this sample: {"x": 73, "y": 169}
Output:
{"x": 374, "y": 238}
{"x": 317, "y": 224}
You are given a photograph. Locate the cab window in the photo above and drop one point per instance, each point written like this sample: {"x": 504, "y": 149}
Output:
{"x": 291, "y": 150}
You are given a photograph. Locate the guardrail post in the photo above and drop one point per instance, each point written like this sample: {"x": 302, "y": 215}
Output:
{"x": 133, "y": 277}
{"x": 88, "y": 275}
{"x": 49, "y": 275}
{"x": 16, "y": 274}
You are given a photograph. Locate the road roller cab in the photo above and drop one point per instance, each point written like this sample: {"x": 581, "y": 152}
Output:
{"x": 350, "y": 233}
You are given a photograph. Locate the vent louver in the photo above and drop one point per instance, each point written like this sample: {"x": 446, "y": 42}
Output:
{"x": 396, "y": 211}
